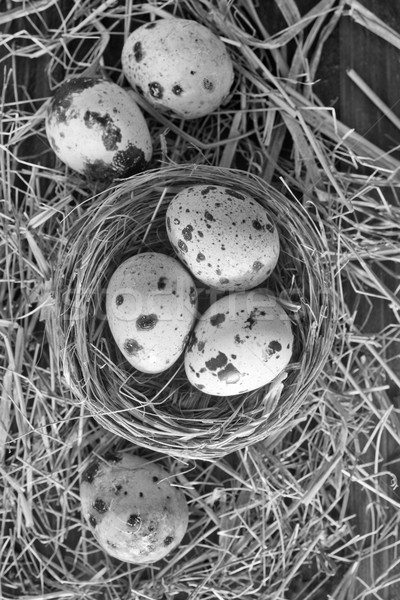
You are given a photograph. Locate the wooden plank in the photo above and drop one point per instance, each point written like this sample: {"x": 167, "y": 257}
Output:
{"x": 376, "y": 62}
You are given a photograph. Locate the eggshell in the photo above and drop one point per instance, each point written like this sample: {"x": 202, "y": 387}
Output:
{"x": 96, "y": 128}
{"x": 242, "y": 342}
{"x": 151, "y": 306}
{"x": 179, "y": 65}
{"x": 225, "y": 238}
{"x": 133, "y": 510}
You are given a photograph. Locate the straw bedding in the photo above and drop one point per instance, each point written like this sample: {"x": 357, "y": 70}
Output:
{"x": 311, "y": 510}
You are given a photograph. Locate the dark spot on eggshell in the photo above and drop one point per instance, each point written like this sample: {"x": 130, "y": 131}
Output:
{"x": 169, "y": 224}
{"x": 229, "y": 374}
{"x": 177, "y": 90}
{"x": 151, "y": 25}
{"x": 207, "y": 190}
{"x": 117, "y": 489}
{"x": 257, "y": 225}
{"x": 119, "y": 300}
{"x": 61, "y": 108}
{"x": 200, "y": 386}
{"x": 223, "y": 280}
{"x": 129, "y": 161}
{"x": 147, "y": 322}
{"x": 200, "y": 234}
{"x": 100, "y": 505}
{"x": 132, "y": 347}
{"x": 252, "y": 319}
{"x": 156, "y": 90}
{"x": 208, "y": 85}
{"x": 111, "y": 544}
{"x": 216, "y": 320}
{"x": 134, "y": 520}
{"x": 200, "y": 347}
{"x": 92, "y": 521}
{"x": 168, "y": 540}
{"x": 187, "y": 233}
{"x": 182, "y": 246}
{"x": 257, "y": 266}
{"x": 217, "y": 362}
{"x": 111, "y": 134}
{"x": 234, "y": 194}
{"x": 138, "y": 51}
{"x": 208, "y": 216}
{"x": 140, "y": 494}
{"x": 233, "y": 356}
{"x": 218, "y": 271}
{"x": 200, "y": 257}
{"x": 161, "y": 283}
{"x": 90, "y": 472}
{"x": 152, "y": 527}
{"x": 238, "y": 339}
{"x": 155, "y": 479}
{"x": 273, "y": 347}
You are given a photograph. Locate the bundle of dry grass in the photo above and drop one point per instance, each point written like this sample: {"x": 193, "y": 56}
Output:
{"x": 165, "y": 412}
{"x": 308, "y": 513}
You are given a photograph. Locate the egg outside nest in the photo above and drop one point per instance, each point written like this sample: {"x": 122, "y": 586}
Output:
{"x": 96, "y": 128}
{"x": 178, "y": 65}
{"x": 132, "y": 508}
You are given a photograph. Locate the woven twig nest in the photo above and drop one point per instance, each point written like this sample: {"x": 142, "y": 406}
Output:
{"x": 164, "y": 412}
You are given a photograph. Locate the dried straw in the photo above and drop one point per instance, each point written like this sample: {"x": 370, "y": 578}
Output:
{"x": 306, "y": 514}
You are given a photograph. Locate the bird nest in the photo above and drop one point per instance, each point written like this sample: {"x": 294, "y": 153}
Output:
{"x": 164, "y": 412}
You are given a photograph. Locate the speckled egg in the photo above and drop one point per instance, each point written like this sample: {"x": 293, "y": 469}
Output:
{"x": 178, "y": 65}
{"x": 132, "y": 508}
{"x": 242, "y": 342}
{"x": 151, "y": 306}
{"x": 96, "y": 128}
{"x": 226, "y": 238}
